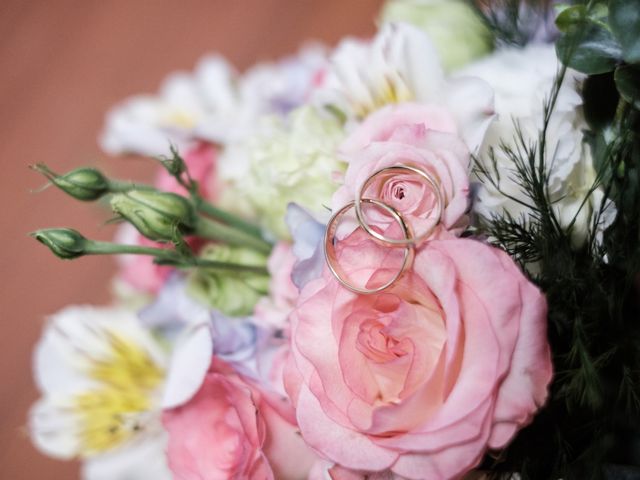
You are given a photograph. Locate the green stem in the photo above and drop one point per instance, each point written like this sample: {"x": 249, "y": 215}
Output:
{"x": 118, "y": 186}
{"x": 219, "y": 232}
{"x": 214, "y": 265}
{"x": 228, "y": 218}
{"x": 169, "y": 257}
{"x": 105, "y": 248}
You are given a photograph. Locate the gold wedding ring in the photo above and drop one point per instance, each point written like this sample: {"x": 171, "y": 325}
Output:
{"x": 411, "y": 239}
{"x": 330, "y": 253}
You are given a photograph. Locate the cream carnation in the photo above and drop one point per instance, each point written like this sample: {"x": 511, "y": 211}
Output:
{"x": 287, "y": 160}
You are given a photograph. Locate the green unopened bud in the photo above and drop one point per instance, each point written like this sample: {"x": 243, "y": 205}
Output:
{"x": 156, "y": 215}
{"x": 65, "y": 243}
{"x": 84, "y": 183}
{"x": 175, "y": 165}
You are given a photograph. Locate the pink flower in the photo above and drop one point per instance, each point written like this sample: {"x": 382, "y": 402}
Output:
{"x": 231, "y": 429}
{"x": 416, "y": 135}
{"x": 273, "y": 311}
{"x": 423, "y": 378}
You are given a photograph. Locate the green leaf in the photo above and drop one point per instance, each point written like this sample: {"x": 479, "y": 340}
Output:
{"x": 589, "y": 47}
{"x": 570, "y": 16}
{"x": 624, "y": 18}
{"x": 628, "y": 82}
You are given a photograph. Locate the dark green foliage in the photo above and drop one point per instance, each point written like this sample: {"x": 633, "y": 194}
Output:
{"x": 515, "y": 22}
{"x": 592, "y": 418}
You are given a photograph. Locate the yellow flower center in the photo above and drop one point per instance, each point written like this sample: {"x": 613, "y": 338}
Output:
{"x": 181, "y": 119}
{"x": 388, "y": 91}
{"x": 120, "y": 406}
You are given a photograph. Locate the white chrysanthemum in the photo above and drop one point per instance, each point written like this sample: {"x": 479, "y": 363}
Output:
{"x": 522, "y": 80}
{"x": 189, "y": 106}
{"x": 401, "y": 65}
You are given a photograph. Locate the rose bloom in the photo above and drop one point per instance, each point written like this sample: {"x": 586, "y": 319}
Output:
{"x": 418, "y": 381}
{"x": 231, "y": 429}
{"x": 422, "y": 136}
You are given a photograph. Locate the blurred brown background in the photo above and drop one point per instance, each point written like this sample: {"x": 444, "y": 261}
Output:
{"x": 62, "y": 65}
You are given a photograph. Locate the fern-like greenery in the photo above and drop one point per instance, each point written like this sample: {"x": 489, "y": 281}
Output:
{"x": 592, "y": 418}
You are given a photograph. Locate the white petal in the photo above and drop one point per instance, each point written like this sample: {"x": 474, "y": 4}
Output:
{"x": 471, "y": 101}
{"x": 53, "y": 429}
{"x": 411, "y": 51}
{"x": 76, "y": 336}
{"x": 189, "y": 364}
{"x": 143, "y": 460}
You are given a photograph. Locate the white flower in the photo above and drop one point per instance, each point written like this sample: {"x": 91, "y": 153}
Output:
{"x": 189, "y": 106}
{"x": 212, "y": 103}
{"x": 523, "y": 80}
{"x": 287, "y": 160}
{"x": 101, "y": 376}
{"x": 282, "y": 86}
{"x": 401, "y": 65}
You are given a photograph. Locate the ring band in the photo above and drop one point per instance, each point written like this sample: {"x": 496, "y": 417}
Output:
{"x": 330, "y": 254}
{"x": 409, "y": 239}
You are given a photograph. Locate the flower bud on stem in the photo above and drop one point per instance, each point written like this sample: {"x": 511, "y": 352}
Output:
{"x": 156, "y": 215}
{"x": 67, "y": 244}
{"x": 86, "y": 184}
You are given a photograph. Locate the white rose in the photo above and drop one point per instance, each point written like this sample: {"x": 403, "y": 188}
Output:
{"x": 523, "y": 80}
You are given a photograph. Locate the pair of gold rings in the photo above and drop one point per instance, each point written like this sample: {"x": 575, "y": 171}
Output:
{"x": 409, "y": 240}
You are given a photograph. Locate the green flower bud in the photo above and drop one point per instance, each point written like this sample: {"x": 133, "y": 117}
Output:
{"x": 86, "y": 184}
{"x": 155, "y": 214}
{"x": 234, "y": 293}
{"x": 457, "y": 31}
{"x": 65, "y": 243}
{"x": 175, "y": 165}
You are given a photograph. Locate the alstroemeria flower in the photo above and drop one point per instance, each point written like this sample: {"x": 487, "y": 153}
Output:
{"x": 401, "y": 65}
{"x": 101, "y": 375}
{"x": 189, "y": 106}
{"x": 422, "y": 379}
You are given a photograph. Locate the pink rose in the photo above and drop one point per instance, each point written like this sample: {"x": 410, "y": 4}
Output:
{"x": 231, "y": 429}
{"x": 273, "y": 311}
{"x": 423, "y": 378}
{"x": 416, "y": 135}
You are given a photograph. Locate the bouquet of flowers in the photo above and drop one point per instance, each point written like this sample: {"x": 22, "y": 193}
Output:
{"x": 413, "y": 256}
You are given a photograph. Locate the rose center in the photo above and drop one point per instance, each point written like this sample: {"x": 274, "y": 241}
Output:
{"x": 398, "y": 192}
{"x": 375, "y": 342}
